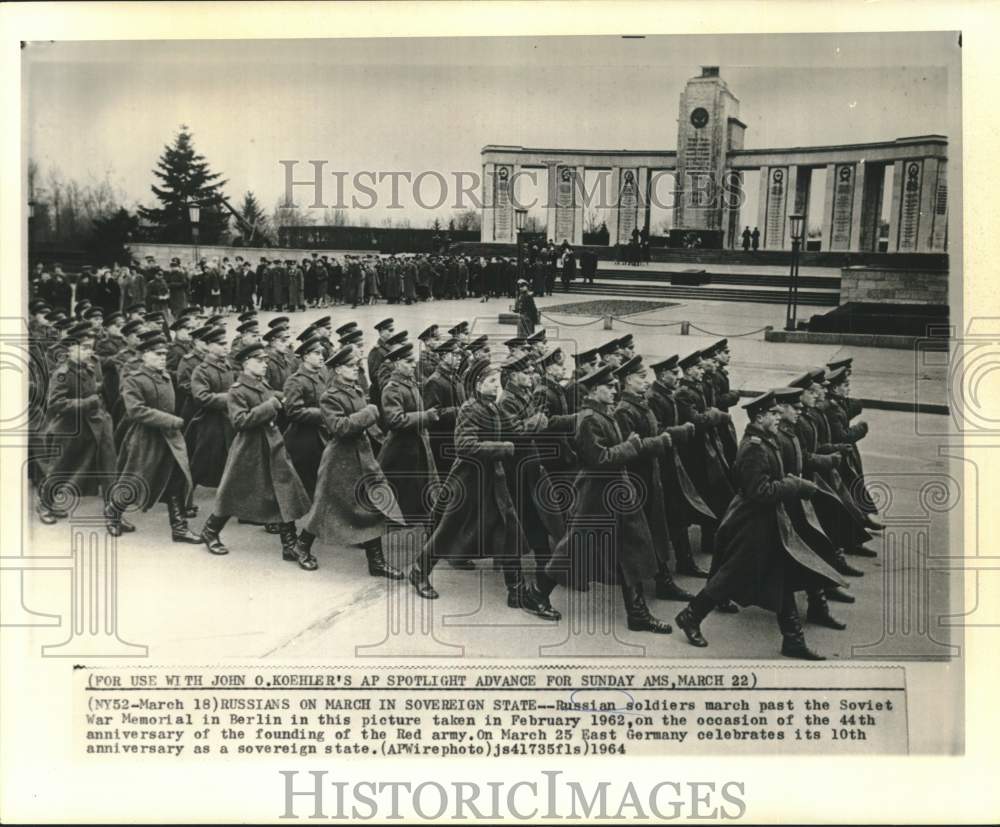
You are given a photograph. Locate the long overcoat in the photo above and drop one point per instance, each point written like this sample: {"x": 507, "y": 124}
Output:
{"x": 683, "y": 502}
{"x": 607, "y": 537}
{"x": 78, "y": 431}
{"x": 178, "y": 283}
{"x": 702, "y": 457}
{"x": 406, "y": 456}
{"x": 279, "y": 286}
{"x": 841, "y": 431}
{"x": 760, "y": 556}
{"x": 725, "y": 398}
{"x": 210, "y": 434}
{"x": 306, "y": 435}
{"x": 259, "y": 482}
{"x": 475, "y": 515}
{"x": 152, "y": 453}
{"x": 354, "y": 502}
{"x": 444, "y": 390}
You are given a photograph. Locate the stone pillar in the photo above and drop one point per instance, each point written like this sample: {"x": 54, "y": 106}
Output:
{"x": 870, "y": 214}
{"x": 791, "y": 193}
{"x": 578, "y": 206}
{"x": 775, "y": 220}
{"x": 933, "y": 207}
{"x": 642, "y": 218}
{"x": 613, "y": 193}
{"x": 831, "y": 172}
{"x": 938, "y": 237}
{"x": 486, "y": 230}
{"x": 911, "y": 205}
{"x": 897, "y": 197}
{"x": 844, "y": 197}
{"x": 761, "y": 202}
{"x": 731, "y": 214}
{"x": 550, "y": 208}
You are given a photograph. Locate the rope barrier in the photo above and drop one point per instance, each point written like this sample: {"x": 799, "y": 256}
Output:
{"x": 729, "y": 335}
{"x": 622, "y": 319}
{"x": 645, "y": 324}
{"x": 571, "y": 324}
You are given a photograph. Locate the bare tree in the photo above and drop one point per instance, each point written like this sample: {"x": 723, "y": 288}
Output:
{"x": 467, "y": 220}
{"x": 291, "y": 216}
{"x": 335, "y": 217}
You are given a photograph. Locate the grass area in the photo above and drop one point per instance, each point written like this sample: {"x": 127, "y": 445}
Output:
{"x": 606, "y": 307}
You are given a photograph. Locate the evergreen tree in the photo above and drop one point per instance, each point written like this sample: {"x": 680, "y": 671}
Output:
{"x": 256, "y": 229}
{"x": 186, "y": 178}
{"x": 108, "y": 243}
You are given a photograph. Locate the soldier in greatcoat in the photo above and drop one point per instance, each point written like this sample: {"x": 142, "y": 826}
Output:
{"x": 443, "y": 390}
{"x": 684, "y": 505}
{"x": 376, "y": 356}
{"x": 306, "y": 435}
{"x": 354, "y": 503}
{"x": 210, "y": 434}
{"x": 619, "y": 548}
{"x": 406, "y": 456}
{"x": 475, "y": 516}
{"x": 153, "y": 459}
{"x": 77, "y": 430}
{"x": 839, "y": 410}
{"x": 762, "y": 560}
{"x": 259, "y": 483}
{"x": 724, "y": 398}
{"x": 634, "y": 416}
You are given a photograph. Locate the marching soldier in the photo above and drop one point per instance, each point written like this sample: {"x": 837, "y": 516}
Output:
{"x": 762, "y": 560}
{"x": 477, "y": 352}
{"x": 634, "y": 416}
{"x": 153, "y": 460}
{"x": 724, "y": 397}
{"x": 443, "y": 390}
{"x": 475, "y": 515}
{"x": 386, "y": 367}
{"x": 209, "y": 433}
{"x": 629, "y": 558}
{"x": 305, "y": 436}
{"x": 839, "y": 411}
{"x": 586, "y": 363}
{"x": 247, "y": 333}
{"x": 406, "y": 456}
{"x": 684, "y": 505}
{"x": 377, "y": 356}
{"x": 429, "y": 340}
{"x": 259, "y": 483}
{"x": 353, "y": 504}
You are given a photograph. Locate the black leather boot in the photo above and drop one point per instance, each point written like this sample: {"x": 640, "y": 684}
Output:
{"x": 861, "y": 551}
{"x": 377, "y": 565}
{"x": 544, "y": 586}
{"x": 210, "y": 534}
{"x": 793, "y": 642}
{"x": 685, "y": 557}
{"x": 179, "y": 530}
{"x": 843, "y": 567}
{"x": 639, "y": 618}
{"x": 115, "y": 523}
{"x": 689, "y": 620}
{"x": 301, "y": 553}
{"x": 727, "y": 607}
{"x": 667, "y": 589}
{"x": 819, "y": 612}
{"x": 838, "y": 595}
{"x": 289, "y": 538}
{"x": 272, "y": 528}
{"x": 420, "y": 575}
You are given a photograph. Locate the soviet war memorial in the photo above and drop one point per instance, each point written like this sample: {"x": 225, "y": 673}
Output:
{"x": 596, "y": 395}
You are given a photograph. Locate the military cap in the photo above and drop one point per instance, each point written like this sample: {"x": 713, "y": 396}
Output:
{"x": 608, "y": 347}
{"x": 278, "y": 320}
{"x": 604, "y": 375}
{"x": 149, "y": 334}
{"x": 92, "y": 313}
{"x": 447, "y": 346}
{"x": 626, "y": 341}
{"x": 183, "y": 321}
{"x": 66, "y": 324}
{"x": 461, "y": 327}
{"x": 215, "y": 320}
{"x": 132, "y": 327}
{"x": 308, "y": 333}
{"x": 309, "y": 345}
{"x": 400, "y": 352}
{"x": 836, "y": 377}
{"x": 787, "y": 396}
{"x": 82, "y": 305}
{"x": 382, "y": 325}
{"x": 247, "y": 316}
{"x": 537, "y": 337}
{"x": 155, "y": 316}
{"x": 246, "y": 327}
{"x": 692, "y": 358}
{"x": 721, "y": 345}
{"x": 276, "y": 333}
{"x": 80, "y": 329}
{"x": 322, "y": 321}
{"x": 344, "y": 329}
{"x": 175, "y": 260}
{"x": 352, "y": 337}
{"x": 346, "y": 355}
{"x": 806, "y": 379}
{"x": 190, "y": 310}
{"x": 517, "y": 364}
{"x": 479, "y": 343}
{"x": 630, "y": 366}
{"x": 39, "y": 306}
{"x": 522, "y": 281}
{"x": 517, "y": 341}
{"x": 249, "y": 351}
{"x": 841, "y": 363}
{"x": 114, "y": 318}
{"x": 138, "y": 307}
{"x": 665, "y": 364}
{"x": 759, "y": 404}
{"x": 396, "y": 338}
{"x": 215, "y": 335}
{"x": 585, "y": 356}
{"x": 199, "y": 333}
{"x": 54, "y": 316}
{"x": 153, "y": 343}
{"x": 550, "y": 358}
{"x": 428, "y": 333}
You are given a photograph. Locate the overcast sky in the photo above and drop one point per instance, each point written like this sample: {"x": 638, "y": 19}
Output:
{"x": 421, "y": 104}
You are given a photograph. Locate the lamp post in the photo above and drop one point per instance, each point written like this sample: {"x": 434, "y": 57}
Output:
{"x": 520, "y": 214}
{"x": 194, "y": 216}
{"x": 31, "y": 227}
{"x": 796, "y": 224}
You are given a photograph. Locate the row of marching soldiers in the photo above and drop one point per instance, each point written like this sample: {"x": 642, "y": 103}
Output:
{"x": 598, "y": 476}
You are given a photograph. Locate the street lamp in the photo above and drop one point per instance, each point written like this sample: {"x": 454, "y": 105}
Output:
{"x": 796, "y": 223}
{"x": 194, "y": 216}
{"x": 520, "y": 214}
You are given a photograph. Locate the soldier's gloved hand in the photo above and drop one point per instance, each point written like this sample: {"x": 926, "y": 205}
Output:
{"x": 863, "y": 427}
{"x": 843, "y": 447}
{"x": 276, "y": 402}
{"x": 650, "y": 445}
{"x": 666, "y": 440}
{"x": 537, "y": 422}
{"x": 835, "y": 460}
{"x": 634, "y": 440}
{"x": 91, "y": 403}
{"x": 807, "y": 490}
{"x": 367, "y": 416}
{"x": 178, "y": 424}
{"x": 433, "y": 414}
